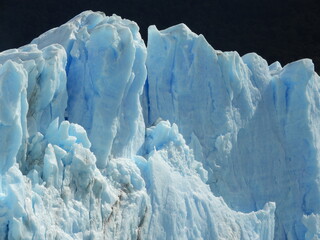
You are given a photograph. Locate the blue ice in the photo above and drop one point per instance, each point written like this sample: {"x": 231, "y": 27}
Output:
{"x": 103, "y": 137}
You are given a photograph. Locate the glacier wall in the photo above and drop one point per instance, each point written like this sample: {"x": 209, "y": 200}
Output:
{"x": 105, "y": 138}
{"x": 106, "y": 72}
{"x": 254, "y": 127}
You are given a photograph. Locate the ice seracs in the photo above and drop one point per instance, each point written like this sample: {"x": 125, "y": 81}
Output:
{"x": 183, "y": 207}
{"x": 254, "y": 126}
{"x": 33, "y": 95}
{"x": 105, "y": 138}
{"x": 106, "y": 73}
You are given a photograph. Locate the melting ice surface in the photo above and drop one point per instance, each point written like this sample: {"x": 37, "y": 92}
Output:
{"x": 105, "y": 138}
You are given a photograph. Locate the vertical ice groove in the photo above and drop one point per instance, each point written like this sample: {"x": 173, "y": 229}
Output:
{"x": 13, "y": 110}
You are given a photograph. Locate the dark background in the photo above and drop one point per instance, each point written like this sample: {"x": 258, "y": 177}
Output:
{"x": 283, "y": 30}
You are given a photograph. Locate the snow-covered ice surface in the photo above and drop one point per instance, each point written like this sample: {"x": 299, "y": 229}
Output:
{"x": 105, "y": 138}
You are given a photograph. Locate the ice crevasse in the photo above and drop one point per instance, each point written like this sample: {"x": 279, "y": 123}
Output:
{"x": 105, "y": 138}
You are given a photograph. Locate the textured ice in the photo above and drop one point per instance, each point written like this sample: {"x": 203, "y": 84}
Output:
{"x": 254, "y": 127}
{"x": 105, "y": 138}
{"x": 106, "y": 73}
{"x": 65, "y": 196}
{"x": 183, "y": 207}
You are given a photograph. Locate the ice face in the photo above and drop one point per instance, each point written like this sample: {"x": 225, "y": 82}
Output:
{"x": 103, "y": 138}
{"x": 13, "y": 111}
{"x": 106, "y": 73}
{"x": 253, "y": 126}
{"x": 65, "y": 196}
{"x": 183, "y": 207}
{"x": 38, "y": 79}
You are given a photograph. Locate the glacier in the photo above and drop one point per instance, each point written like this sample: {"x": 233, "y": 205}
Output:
{"x": 105, "y": 137}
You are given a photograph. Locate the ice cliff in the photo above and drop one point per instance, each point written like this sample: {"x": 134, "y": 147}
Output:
{"x": 105, "y": 138}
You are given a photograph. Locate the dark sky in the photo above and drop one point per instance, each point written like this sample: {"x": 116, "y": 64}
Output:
{"x": 284, "y": 30}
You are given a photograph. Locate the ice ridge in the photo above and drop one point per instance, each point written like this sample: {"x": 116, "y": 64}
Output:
{"x": 105, "y": 138}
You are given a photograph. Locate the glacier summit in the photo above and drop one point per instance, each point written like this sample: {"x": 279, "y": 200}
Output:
{"x": 103, "y": 137}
